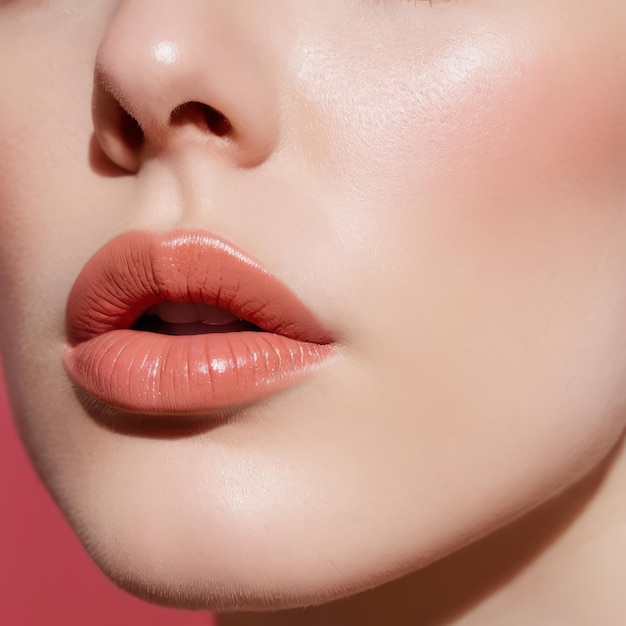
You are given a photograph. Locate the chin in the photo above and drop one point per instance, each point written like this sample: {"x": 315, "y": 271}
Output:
{"x": 228, "y": 585}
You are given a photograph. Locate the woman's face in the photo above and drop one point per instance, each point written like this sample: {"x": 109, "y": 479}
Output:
{"x": 441, "y": 185}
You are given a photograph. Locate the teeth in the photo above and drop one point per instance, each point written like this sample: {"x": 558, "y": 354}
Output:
{"x": 190, "y": 312}
{"x": 214, "y": 316}
{"x": 176, "y": 312}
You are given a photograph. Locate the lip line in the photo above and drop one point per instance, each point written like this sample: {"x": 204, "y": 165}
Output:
{"x": 100, "y": 282}
{"x": 160, "y": 374}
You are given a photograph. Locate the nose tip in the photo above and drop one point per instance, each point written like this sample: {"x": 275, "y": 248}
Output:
{"x": 168, "y": 76}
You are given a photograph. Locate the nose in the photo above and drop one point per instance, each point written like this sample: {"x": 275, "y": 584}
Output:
{"x": 192, "y": 72}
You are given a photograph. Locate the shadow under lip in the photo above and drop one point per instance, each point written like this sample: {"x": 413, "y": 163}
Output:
{"x": 155, "y": 426}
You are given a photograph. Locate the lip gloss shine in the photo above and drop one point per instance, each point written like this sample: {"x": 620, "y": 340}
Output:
{"x": 148, "y": 372}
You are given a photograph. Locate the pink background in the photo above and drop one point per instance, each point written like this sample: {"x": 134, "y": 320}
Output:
{"x": 46, "y": 578}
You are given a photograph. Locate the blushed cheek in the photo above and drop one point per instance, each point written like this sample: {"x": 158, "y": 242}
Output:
{"x": 522, "y": 225}
{"x": 517, "y": 216}
{"x": 514, "y": 229}
{"x": 526, "y": 143}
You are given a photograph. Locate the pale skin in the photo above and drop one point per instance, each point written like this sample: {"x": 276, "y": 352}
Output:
{"x": 443, "y": 185}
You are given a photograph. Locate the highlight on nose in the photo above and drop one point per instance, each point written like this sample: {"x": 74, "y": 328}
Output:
{"x": 165, "y": 52}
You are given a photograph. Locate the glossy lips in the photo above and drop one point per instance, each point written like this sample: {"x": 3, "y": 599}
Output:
{"x": 147, "y": 372}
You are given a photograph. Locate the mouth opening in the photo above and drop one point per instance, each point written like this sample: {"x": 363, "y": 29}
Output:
{"x": 188, "y": 318}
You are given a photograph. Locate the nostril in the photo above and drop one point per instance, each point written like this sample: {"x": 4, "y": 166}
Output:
{"x": 203, "y": 116}
{"x": 216, "y": 122}
{"x": 130, "y": 131}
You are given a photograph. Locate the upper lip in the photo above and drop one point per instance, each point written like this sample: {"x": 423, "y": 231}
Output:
{"x": 138, "y": 269}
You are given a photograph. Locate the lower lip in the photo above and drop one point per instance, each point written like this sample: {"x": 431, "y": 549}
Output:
{"x": 153, "y": 373}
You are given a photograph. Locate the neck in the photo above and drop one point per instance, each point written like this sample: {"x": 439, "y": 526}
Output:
{"x": 562, "y": 563}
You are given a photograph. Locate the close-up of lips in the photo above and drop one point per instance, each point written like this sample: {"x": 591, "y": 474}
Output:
{"x": 313, "y": 313}
{"x": 183, "y": 323}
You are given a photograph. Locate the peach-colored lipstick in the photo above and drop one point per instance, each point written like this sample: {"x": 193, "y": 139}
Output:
{"x": 108, "y": 356}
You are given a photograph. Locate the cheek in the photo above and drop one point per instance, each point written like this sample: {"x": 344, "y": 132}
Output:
{"x": 524, "y": 190}
{"x": 509, "y": 124}
{"x": 553, "y": 132}
{"x": 520, "y": 249}
{"x": 46, "y": 202}
{"x": 499, "y": 255}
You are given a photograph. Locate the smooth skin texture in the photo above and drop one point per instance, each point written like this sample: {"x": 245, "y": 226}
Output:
{"x": 443, "y": 186}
